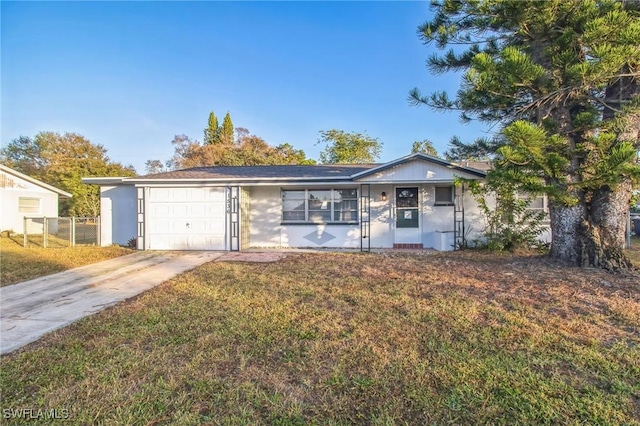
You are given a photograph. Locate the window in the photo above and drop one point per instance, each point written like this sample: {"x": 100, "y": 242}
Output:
{"x": 444, "y": 196}
{"x": 320, "y": 205}
{"x": 28, "y": 205}
{"x": 536, "y": 202}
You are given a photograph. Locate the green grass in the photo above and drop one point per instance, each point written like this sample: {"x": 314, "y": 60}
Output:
{"x": 453, "y": 338}
{"x": 18, "y": 263}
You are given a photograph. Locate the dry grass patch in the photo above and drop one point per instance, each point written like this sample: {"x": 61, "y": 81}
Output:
{"x": 464, "y": 338}
{"x": 18, "y": 263}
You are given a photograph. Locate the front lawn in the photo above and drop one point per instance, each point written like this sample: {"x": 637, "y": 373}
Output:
{"x": 460, "y": 338}
{"x": 18, "y": 263}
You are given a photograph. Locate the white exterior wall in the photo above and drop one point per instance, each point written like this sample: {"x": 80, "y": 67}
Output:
{"x": 382, "y": 217}
{"x": 266, "y": 229}
{"x": 436, "y": 222}
{"x": 10, "y": 217}
{"x": 118, "y": 211}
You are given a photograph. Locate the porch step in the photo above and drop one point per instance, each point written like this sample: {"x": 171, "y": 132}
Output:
{"x": 412, "y": 246}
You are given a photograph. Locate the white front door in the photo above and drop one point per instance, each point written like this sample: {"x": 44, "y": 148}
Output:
{"x": 407, "y": 215}
{"x": 186, "y": 219}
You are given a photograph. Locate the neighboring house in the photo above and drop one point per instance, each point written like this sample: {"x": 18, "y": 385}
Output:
{"x": 410, "y": 202}
{"x": 23, "y": 196}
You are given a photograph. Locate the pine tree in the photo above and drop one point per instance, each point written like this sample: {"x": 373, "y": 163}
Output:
{"x": 212, "y": 132}
{"x": 226, "y": 131}
{"x": 561, "y": 78}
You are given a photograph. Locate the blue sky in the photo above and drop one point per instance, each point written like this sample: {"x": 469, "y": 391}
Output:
{"x": 131, "y": 75}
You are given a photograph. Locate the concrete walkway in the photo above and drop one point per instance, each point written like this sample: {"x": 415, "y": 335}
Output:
{"x": 30, "y": 309}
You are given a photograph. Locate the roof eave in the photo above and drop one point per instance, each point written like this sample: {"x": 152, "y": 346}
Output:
{"x": 225, "y": 180}
{"x": 36, "y": 181}
{"x": 103, "y": 180}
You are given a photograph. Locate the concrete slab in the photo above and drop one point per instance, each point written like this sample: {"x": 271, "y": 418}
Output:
{"x": 261, "y": 257}
{"x": 33, "y": 308}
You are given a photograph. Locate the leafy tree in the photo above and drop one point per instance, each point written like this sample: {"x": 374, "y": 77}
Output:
{"x": 287, "y": 154}
{"x": 156, "y": 166}
{"x": 425, "y": 147}
{"x": 25, "y": 155}
{"x": 561, "y": 79}
{"x": 212, "y": 131}
{"x": 348, "y": 148}
{"x": 226, "y": 130}
{"x": 247, "y": 150}
{"x": 189, "y": 153}
{"x": 62, "y": 161}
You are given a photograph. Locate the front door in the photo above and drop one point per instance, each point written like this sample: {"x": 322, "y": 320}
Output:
{"x": 407, "y": 215}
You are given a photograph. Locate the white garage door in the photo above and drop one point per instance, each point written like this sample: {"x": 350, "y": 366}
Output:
{"x": 186, "y": 219}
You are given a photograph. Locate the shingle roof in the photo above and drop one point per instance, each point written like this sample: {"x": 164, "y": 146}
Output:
{"x": 265, "y": 172}
{"x": 484, "y": 165}
{"x": 293, "y": 174}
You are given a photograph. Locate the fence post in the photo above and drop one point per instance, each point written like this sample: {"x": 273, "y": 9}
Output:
{"x": 73, "y": 231}
{"x": 24, "y": 231}
{"x": 98, "y": 231}
{"x": 45, "y": 228}
{"x": 629, "y": 224}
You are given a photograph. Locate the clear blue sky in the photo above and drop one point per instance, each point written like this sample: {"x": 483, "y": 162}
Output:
{"x": 131, "y": 75}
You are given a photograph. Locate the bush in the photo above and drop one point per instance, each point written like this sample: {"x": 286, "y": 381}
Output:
{"x": 511, "y": 224}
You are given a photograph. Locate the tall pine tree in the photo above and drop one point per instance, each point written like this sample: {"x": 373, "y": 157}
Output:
{"x": 561, "y": 78}
{"x": 212, "y": 132}
{"x": 226, "y": 131}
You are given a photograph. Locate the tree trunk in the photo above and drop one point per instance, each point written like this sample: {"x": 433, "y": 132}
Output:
{"x": 610, "y": 205}
{"x": 604, "y": 233}
{"x": 591, "y": 234}
{"x": 565, "y": 231}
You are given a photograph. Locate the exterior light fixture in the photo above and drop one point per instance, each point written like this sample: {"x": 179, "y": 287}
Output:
{"x": 383, "y": 196}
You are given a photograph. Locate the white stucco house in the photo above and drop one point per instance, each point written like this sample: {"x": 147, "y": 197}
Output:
{"x": 23, "y": 196}
{"x": 410, "y": 202}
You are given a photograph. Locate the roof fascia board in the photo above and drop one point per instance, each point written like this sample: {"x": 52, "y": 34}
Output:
{"x": 409, "y": 182}
{"x": 103, "y": 180}
{"x": 296, "y": 184}
{"x": 235, "y": 180}
{"x": 35, "y": 181}
{"x": 177, "y": 184}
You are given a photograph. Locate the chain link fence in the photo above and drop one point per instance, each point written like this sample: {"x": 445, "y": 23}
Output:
{"x": 61, "y": 231}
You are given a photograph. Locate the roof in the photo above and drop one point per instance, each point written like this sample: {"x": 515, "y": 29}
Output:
{"x": 277, "y": 173}
{"x": 264, "y": 172}
{"x": 484, "y": 165}
{"x": 34, "y": 181}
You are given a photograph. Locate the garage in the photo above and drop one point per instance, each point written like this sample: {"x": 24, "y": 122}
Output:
{"x": 186, "y": 218}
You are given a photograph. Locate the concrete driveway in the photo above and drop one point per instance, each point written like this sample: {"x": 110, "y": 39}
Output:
{"x": 32, "y": 308}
